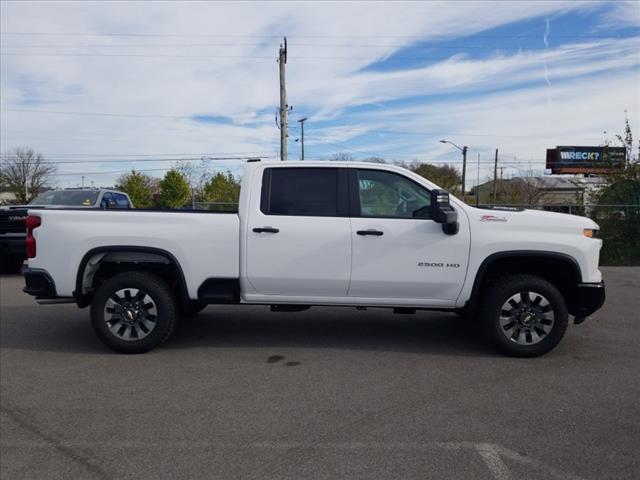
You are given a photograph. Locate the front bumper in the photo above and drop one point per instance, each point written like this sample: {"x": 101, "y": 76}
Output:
{"x": 588, "y": 298}
{"x": 38, "y": 283}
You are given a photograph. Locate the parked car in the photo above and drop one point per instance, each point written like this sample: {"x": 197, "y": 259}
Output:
{"x": 321, "y": 233}
{"x": 12, "y": 218}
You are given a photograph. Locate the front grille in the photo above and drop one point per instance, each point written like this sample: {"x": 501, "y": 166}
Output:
{"x": 13, "y": 221}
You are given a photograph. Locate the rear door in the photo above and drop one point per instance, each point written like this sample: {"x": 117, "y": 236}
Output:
{"x": 299, "y": 239}
{"x": 398, "y": 256}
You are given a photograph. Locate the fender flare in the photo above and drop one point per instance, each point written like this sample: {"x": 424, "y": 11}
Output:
{"x": 149, "y": 255}
{"x": 477, "y": 281}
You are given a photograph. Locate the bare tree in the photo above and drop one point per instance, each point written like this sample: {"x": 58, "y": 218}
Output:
{"x": 25, "y": 172}
{"x": 341, "y": 157}
{"x": 375, "y": 160}
{"x": 529, "y": 188}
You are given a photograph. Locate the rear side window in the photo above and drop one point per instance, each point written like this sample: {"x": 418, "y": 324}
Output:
{"x": 300, "y": 191}
{"x": 121, "y": 200}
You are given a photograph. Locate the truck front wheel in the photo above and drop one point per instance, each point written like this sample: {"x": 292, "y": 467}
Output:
{"x": 524, "y": 315}
{"x": 133, "y": 312}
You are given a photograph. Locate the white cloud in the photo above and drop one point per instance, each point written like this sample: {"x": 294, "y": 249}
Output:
{"x": 244, "y": 87}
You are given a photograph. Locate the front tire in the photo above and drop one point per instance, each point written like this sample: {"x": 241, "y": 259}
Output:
{"x": 524, "y": 315}
{"x": 133, "y": 312}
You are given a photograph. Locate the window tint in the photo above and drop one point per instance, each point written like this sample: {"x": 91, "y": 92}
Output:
{"x": 121, "y": 200}
{"x": 386, "y": 194}
{"x": 300, "y": 191}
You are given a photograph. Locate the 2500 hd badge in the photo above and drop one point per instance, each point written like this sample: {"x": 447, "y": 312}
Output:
{"x": 438, "y": 264}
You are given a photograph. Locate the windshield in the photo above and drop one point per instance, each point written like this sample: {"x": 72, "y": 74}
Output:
{"x": 77, "y": 198}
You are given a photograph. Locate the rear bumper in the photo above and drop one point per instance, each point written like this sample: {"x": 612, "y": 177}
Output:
{"x": 589, "y": 297}
{"x": 38, "y": 283}
{"x": 13, "y": 246}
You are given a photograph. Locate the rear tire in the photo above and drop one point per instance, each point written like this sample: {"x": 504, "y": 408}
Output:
{"x": 133, "y": 312}
{"x": 524, "y": 315}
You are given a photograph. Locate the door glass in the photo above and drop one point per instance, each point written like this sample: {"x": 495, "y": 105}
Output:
{"x": 301, "y": 191}
{"x": 121, "y": 201}
{"x": 389, "y": 195}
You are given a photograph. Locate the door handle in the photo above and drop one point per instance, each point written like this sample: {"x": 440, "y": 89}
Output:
{"x": 375, "y": 233}
{"x": 266, "y": 230}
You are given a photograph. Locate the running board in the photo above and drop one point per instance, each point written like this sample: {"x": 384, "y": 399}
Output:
{"x": 289, "y": 308}
{"x": 55, "y": 301}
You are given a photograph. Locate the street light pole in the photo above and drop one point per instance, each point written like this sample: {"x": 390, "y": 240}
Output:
{"x": 301, "y": 121}
{"x": 464, "y": 163}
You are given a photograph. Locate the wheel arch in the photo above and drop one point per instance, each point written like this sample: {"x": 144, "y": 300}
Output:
{"x": 560, "y": 269}
{"x": 122, "y": 258}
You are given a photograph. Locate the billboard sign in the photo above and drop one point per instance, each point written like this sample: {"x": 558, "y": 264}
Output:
{"x": 585, "y": 159}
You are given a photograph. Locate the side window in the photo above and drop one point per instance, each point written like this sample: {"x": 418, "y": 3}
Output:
{"x": 300, "y": 191}
{"x": 106, "y": 198}
{"x": 387, "y": 194}
{"x": 121, "y": 201}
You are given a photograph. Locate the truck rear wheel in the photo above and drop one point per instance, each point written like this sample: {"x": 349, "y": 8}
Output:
{"x": 133, "y": 312}
{"x": 524, "y": 315}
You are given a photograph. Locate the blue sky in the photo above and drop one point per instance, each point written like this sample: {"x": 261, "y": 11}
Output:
{"x": 105, "y": 87}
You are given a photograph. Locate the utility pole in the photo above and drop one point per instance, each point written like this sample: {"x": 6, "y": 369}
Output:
{"x": 82, "y": 181}
{"x": 464, "y": 169}
{"x": 464, "y": 163}
{"x": 301, "y": 121}
{"x": 284, "y": 109}
{"x": 495, "y": 177}
{"x": 478, "y": 183}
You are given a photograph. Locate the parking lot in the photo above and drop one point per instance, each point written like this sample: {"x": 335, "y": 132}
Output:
{"x": 322, "y": 394}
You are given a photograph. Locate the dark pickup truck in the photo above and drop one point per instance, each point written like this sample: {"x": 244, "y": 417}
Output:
{"x": 13, "y": 229}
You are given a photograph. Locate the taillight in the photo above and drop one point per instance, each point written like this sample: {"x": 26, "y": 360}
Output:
{"x": 32, "y": 222}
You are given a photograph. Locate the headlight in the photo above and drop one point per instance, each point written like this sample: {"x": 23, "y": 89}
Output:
{"x": 590, "y": 232}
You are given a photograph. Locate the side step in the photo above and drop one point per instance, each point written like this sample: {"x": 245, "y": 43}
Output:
{"x": 55, "y": 301}
{"x": 404, "y": 311}
{"x": 219, "y": 290}
{"x": 289, "y": 308}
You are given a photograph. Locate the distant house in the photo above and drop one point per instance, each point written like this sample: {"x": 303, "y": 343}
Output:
{"x": 549, "y": 190}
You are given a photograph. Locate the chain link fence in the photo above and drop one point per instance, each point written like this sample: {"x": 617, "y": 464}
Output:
{"x": 619, "y": 228}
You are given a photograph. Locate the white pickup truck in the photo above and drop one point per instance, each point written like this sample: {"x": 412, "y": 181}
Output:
{"x": 321, "y": 233}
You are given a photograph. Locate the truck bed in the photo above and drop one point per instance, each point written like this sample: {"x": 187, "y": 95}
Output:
{"x": 201, "y": 241}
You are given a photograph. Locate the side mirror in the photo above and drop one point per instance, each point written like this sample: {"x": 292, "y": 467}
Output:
{"x": 442, "y": 212}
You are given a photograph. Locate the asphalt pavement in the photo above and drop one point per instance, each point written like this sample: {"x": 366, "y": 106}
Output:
{"x": 329, "y": 393}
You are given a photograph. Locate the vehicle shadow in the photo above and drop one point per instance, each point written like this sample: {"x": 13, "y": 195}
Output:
{"x": 67, "y": 329}
{"x": 330, "y": 327}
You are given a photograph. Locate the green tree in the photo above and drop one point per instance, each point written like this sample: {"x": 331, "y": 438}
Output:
{"x": 620, "y": 226}
{"x": 139, "y": 187}
{"x": 222, "y": 188}
{"x": 174, "y": 190}
{"x": 445, "y": 176}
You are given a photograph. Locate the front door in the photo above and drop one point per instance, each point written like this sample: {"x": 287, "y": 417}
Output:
{"x": 299, "y": 240}
{"x": 398, "y": 256}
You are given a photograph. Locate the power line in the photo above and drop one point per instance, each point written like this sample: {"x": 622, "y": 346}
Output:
{"x": 134, "y": 160}
{"x": 101, "y": 114}
{"x": 258, "y": 57}
{"x": 280, "y": 35}
{"x": 305, "y": 45}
